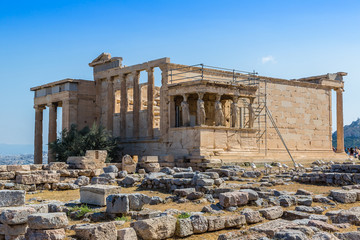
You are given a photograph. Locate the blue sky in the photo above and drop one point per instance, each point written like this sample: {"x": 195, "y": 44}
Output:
{"x": 44, "y": 41}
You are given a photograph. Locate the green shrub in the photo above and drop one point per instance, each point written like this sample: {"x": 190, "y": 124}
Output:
{"x": 123, "y": 218}
{"x": 75, "y": 142}
{"x": 81, "y": 210}
{"x": 183, "y": 215}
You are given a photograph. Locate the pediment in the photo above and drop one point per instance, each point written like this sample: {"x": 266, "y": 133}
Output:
{"x": 102, "y": 58}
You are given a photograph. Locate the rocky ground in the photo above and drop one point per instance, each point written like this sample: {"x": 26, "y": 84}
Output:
{"x": 230, "y": 202}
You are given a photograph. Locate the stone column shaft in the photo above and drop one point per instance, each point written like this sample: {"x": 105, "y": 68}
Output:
{"x": 38, "y": 141}
{"x": 340, "y": 122}
{"x": 150, "y": 104}
{"x": 52, "y": 129}
{"x": 111, "y": 104}
{"x": 136, "y": 106}
{"x": 123, "y": 107}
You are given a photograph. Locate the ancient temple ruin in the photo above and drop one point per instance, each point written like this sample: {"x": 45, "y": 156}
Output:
{"x": 200, "y": 115}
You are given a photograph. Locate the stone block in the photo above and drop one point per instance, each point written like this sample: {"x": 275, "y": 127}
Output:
{"x": 111, "y": 169}
{"x": 39, "y": 178}
{"x": 96, "y": 194}
{"x": 184, "y": 192}
{"x": 16, "y": 215}
{"x": 3, "y": 168}
{"x": 199, "y": 223}
{"x": 99, "y": 231}
{"x": 137, "y": 201}
{"x": 272, "y": 227}
{"x": 253, "y": 195}
{"x": 126, "y": 234}
{"x": 97, "y": 155}
{"x": 47, "y": 220}
{"x": 272, "y": 213}
{"x": 152, "y": 167}
{"x": 40, "y": 208}
{"x": 252, "y": 216}
{"x": 323, "y": 226}
{"x": 155, "y": 228}
{"x": 344, "y": 196}
{"x": 215, "y": 223}
{"x": 117, "y": 203}
{"x": 205, "y": 182}
{"x": 57, "y": 166}
{"x": 235, "y": 221}
{"x": 130, "y": 168}
{"x": 15, "y": 168}
{"x": 83, "y": 163}
{"x": 233, "y": 199}
{"x": 14, "y": 230}
{"x": 7, "y": 175}
{"x": 36, "y": 167}
{"x": 149, "y": 159}
{"x": 51, "y": 234}
{"x": 82, "y": 181}
{"x": 293, "y": 215}
{"x": 184, "y": 228}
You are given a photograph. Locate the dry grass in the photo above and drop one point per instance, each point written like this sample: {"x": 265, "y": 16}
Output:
{"x": 63, "y": 196}
{"x": 69, "y": 195}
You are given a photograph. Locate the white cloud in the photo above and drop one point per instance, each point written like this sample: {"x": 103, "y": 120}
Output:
{"x": 268, "y": 59}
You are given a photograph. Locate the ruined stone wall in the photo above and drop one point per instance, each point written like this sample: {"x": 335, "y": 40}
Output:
{"x": 86, "y": 105}
{"x": 303, "y": 116}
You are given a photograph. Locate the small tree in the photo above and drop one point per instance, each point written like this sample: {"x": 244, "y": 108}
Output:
{"x": 75, "y": 143}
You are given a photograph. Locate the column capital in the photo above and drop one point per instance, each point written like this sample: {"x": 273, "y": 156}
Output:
{"x": 235, "y": 98}
{"x": 110, "y": 78}
{"x": 150, "y": 70}
{"x": 39, "y": 107}
{"x": 185, "y": 96}
{"x": 52, "y": 104}
{"x": 201, "y": 95}
{"x": 136, "y": 73}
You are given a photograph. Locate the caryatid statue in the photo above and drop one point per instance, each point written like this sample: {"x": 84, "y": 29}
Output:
{"x": 185, "y": 113}
{"x": 235, "y": 113}
{"x": 201, "y": 114}
{"x": 219, "y": 114}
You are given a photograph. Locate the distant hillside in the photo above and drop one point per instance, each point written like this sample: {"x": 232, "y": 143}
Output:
{"x": 351, "y": 135}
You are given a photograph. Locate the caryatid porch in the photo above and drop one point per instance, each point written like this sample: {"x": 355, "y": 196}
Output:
{"x": 206, "y": 103}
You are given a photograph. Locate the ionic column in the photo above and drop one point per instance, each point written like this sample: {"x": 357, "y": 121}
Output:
{"x": 38, "y": 140}
{"x": 123, "y": 107}
{"x": 52, "y": 129}
{"x": 136, "y": 104}
{"x": 111, "y": 104}
{"x": 150, "y": 104}
{"x": 340, "y": 121}
{"x": 164, "y": 99}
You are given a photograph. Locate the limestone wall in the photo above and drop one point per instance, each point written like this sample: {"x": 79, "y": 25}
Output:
{"x": 303, "y": 116}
